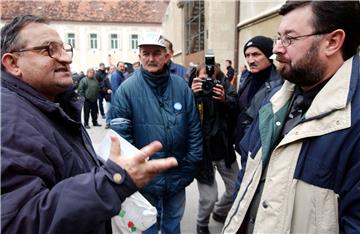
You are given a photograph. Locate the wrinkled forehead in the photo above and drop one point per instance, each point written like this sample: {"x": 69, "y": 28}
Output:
{"x": 35, "y": 34}
{"x": 298, "y": 21}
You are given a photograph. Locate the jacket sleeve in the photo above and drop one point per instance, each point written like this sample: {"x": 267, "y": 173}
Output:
{"x": 194, "y": 127}
{"x": 35, "y": 197}
{"x": 122, "y": 114}
{"x": 349, "y": 202}
{"x": 82, "y": 87}
{"x": 230, "y": 97}
{"x": 115, "y": 81}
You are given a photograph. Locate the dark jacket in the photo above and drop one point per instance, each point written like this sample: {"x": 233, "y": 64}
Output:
{"x": 116, "y": 79}
{"x": 51, "y": 179}
{"x": 177, "y": 69}
{"x": 100, "y": 75}
{"x": 230, "y": 73}
{"x": 89, "y": 88}
{"x": 247, "y": 113}
{"x": 142, "y": 116}
{"x": 217, "y": 124}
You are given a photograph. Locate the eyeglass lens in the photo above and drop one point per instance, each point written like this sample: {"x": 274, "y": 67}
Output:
{"x": 56, "y": 50}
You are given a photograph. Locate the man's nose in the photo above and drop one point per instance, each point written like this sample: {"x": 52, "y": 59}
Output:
{"x": 278, "y": 47}
{"x": 65, "y": 58}
{"x": 251, "y": 59}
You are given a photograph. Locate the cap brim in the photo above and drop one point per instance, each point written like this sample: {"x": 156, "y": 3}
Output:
{"x": 152, "y": 45}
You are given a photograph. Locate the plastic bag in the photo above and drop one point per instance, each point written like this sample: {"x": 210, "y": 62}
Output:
{"x": 136, "y": 214}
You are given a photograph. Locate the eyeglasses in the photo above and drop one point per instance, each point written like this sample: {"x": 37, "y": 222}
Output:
{"x": 289, "y": 40}
{"x": 54, "y": 49}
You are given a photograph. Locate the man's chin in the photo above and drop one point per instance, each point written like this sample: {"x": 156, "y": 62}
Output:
{"x": 153, "y": 69}
{"x": 65, "y": 83}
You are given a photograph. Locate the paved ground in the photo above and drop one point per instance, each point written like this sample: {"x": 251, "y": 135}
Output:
{"x": 188, "y": 224}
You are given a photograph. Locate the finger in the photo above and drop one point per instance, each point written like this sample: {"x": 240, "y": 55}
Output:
{"x": 159, "y": 165}
{"x": 115, "y": 148}
{"x": 149, "y": 150}
{"x": 219, "y": 86}
{"x": 216, "y": 91}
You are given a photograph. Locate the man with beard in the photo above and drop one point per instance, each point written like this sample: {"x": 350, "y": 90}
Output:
{"x": 260, "y": 81}
{"x": 301, "y": 157}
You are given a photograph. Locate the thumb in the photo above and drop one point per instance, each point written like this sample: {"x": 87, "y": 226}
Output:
{"x": 115, "y": 149}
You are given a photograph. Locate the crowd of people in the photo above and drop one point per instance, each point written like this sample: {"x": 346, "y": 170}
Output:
{"x": 293, "y": 122}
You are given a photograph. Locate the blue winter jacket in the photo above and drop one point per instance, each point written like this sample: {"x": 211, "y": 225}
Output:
{"x": 116, "y": 79}
{"x": 141, "y": 117}
{"x": 51, "y": 179}
{"x": 177, "y": 69}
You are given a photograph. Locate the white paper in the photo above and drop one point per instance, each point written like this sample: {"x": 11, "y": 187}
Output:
{"x": 103, "y": 149}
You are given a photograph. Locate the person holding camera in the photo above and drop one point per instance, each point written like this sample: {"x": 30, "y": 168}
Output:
{"x": 216, "y": 102}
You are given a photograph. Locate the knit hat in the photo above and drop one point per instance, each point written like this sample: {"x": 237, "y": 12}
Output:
{"x": 265, "y": 44}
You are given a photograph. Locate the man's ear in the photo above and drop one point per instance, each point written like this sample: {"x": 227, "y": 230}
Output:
{"x": 335, "y": 41}
{"x": 9, "y": 61}
{"x": 167, "y": 56}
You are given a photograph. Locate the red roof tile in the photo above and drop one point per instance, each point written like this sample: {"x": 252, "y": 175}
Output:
{"x": 121, "y": 11}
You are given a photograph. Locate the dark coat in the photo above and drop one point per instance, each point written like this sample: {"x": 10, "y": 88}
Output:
{"x": 217, "y": 124}
{"x": 246, "y": 114}
{"x": 51, "y": 179}
{"x": 100, "y": 75}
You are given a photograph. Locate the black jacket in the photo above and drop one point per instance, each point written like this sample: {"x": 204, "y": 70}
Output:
{"x": 100, "y": 75}
{"x": 246, "y": 113}
{"x": 217, "y": 122}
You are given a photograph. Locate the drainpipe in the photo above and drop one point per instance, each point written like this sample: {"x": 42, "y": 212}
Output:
{"x": 236, "y": 50}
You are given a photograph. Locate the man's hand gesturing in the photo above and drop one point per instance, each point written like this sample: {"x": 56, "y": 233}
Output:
{"x": 140, "y": 169}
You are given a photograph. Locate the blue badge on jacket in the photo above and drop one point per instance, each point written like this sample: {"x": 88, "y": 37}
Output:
{"x": 177, "y": 106}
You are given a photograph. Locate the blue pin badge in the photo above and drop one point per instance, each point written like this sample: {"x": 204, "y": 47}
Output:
{"x": 177, "y": 106}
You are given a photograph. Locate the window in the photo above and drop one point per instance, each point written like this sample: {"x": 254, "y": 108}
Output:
{"x": 134, "y": 41}
{"x": 93, "y": 41}
{"x": 114, "y": 42}
{"x": 194, "y": 26}
{"x": 71, "y": 39}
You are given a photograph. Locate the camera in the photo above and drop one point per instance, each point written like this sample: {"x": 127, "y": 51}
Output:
{"x": 208, "y": 84}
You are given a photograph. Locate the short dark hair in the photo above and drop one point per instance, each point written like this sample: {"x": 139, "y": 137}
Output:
{"x": 229, "y": 61}
{"x": 168, "y": 44}
{"x": 118, "y": 63}
{"x": 10, "y": 31}
{"x": 332, "y": 15}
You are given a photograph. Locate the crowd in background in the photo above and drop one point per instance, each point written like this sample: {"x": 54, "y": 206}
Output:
{"x": 295, "y": 127}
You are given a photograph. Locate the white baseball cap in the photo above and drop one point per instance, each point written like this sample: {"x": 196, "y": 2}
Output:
{"x": 152, "y": 39}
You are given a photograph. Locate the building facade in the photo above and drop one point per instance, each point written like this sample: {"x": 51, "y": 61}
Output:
{"x": 99, "y": 31}
{"x": 223, "y": 26}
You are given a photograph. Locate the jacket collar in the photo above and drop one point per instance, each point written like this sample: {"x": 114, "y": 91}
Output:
{"x": 67, "y": 106}
{"x": 333, "y": 114}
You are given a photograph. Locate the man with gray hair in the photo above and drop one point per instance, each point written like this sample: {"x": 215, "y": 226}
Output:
{"x": 51, "y": 178}
{"x": 155, "y": 104}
